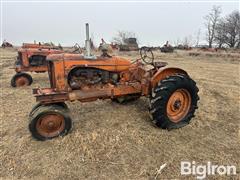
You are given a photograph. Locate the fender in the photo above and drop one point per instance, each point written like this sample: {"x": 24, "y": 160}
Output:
{"x": 163, "y": 73}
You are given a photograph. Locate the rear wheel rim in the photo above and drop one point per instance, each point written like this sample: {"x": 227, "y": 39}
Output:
{"x": 50, "y": 125}
{"x": 178, "y": 105}
{"x": 22, "y": 81}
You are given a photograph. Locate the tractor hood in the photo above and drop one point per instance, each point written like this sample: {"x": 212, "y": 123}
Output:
{"x": 113, "y": 63}
{"x": 71, "y": 56}
{"x": 40, "y": 51}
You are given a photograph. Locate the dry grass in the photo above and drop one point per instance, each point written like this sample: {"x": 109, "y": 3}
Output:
{"x": 112, "y": 141}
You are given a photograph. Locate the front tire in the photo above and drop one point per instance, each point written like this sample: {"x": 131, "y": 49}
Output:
{"x": 21, "y": 79}
{"x": 173, "y": 102}
{"x": 49, "y": 121}
{"x": 36, "y": 106}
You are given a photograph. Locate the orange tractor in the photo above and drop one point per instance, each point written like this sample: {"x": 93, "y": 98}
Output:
{"x": 172, "y": 94}
{"x": 31, "y": 58}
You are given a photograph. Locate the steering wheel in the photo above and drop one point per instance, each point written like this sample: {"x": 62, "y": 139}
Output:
{"x": 147, "y": 55}
{"x": 77, "y": 48}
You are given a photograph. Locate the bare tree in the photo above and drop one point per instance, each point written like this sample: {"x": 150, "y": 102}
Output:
{"x": 232, "y": 26}
{"x": 228, "y": 30}
{"x": 211, "y": 21}
{"x": 121, "y": 37}
{"x": 238, "y": 29}
{"x": 220, "y": 37}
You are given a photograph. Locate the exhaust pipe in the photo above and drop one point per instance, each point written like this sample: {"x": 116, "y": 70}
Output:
{"x": 88, "y": 54}
{"x": 87, "y": 42}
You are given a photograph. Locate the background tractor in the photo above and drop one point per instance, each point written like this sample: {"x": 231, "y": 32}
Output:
{"x": 32, "y": 58}
{"x": 167, "y": 48}
{"x": 172, "y": 94}
{"x": 129, "y": 44}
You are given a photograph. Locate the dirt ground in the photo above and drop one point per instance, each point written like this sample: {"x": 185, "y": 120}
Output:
{"x": 113, "y": 141}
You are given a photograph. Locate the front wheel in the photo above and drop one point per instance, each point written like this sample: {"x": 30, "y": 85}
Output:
{"x": 21, "y": 79}
{"x": 173, "y": 101}
{"x": 36, "y": 106}
{"x": 49, "y": 121}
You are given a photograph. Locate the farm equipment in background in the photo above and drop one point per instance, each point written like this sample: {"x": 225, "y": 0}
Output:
{"x": 114, "y": 46}
{"x": 41, "y": 46}
{"x": 103, "y": 46}
{"x": 31, "y": 58}
{"x": 130, "y": 44}
{"x": 77, "y": 49}
{"x": 167, "y": 48}
{"x": 6, "y": 44}
{"x": 207, "y": 49}
{"x": 172, "y": 94}
{"x": 109, "y": 47}
{"x": 183, "y": 47}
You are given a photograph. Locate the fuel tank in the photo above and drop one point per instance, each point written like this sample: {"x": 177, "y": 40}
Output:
{"x": 114, "y": 63}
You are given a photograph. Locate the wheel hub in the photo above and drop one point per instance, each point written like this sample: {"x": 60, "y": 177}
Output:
{"x": 21, "y": 81}
{"x": 178, "y": 105}
{"x": 50, "y": 125}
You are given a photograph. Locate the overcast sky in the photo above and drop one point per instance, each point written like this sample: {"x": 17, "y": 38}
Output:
{"x": 153, "y": 23}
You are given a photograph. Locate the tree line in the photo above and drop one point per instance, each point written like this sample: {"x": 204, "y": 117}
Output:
{"x": 223, "y": 31}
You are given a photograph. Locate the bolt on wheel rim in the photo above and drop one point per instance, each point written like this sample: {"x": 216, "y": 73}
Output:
{"x": 22, "y": 81}
{"x": 50, "y": 125}
{"x": 178, "y": 105}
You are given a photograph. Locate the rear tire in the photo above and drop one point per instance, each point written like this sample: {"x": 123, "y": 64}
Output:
{"x": 21, "y": 79}
{"x": 173, "y": 102}
{"x": 49, "y": 121}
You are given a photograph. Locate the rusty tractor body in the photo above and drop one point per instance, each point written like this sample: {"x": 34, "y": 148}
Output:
{"x": 31, "y": 58}
{"x": 40, "y": 46}
{"x": 73, "y": 77}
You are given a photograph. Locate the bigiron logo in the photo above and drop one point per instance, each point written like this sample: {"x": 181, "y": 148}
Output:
{"x": 202, "y": 171}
